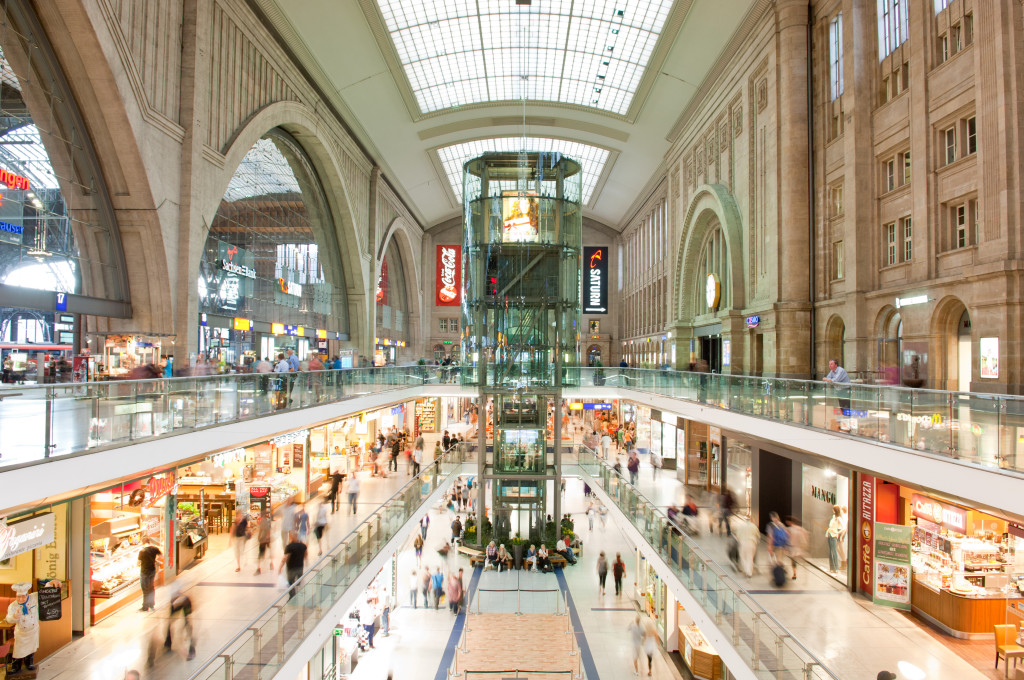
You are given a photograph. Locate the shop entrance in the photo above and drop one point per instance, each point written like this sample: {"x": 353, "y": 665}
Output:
{"x": 593, "y": 355}
{"x": 890, "y": 349}
{"x": 964, "y": 355}
{"x": 711, "y": 352}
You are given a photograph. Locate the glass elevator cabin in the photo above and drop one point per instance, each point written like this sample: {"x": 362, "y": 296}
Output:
{"x": 521, "y": 331}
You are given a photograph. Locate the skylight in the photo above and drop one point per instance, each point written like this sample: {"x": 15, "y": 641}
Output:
{"x": 590, "y": 158}
{"x": 586, "y": 52}
{"x": 263, "y": 171}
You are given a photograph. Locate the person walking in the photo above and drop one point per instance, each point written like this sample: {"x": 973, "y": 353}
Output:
{"x": 294, "y": 562}
{"x": 636, "y": 642}
{"x": 368, "y": 620}
{"x": 336, "y": 480}
{"x": 726, "y": 506}
{"x": 180, "y": 602}
{"x": 437, "y": 581}
{"x": 655, "y": 465}
{"x": 798, "y": 540}
{"x": 302, "y": 523}
{"x": 591, "y": 512}
{"x": 778, "y": 546}
{"x": 606, "y": 445}
{"x": 650, "y": 644}
{"x": 417, "y": 543}
{"x": 287, "y": 520}
{"x": 396, "y": 448}
{"x": 424, "y": 524}
{"x": 263, "y": 538}
{"x": 150, "y": 558}
{"x": 239, "y": 537}
{"x": 319, "y": 526}
{"x": 633, "y": 465}
{"x": 425, "y": 583}
{"x": 417, "y": 455}
{"x": 454, "y": 593}
{"x": 602, "y": 572}
{"x": 456, "y": 529}
{"x": 414, "y": 586}
{"x": 618, "y": 571}
{"x": 353, "y": 491}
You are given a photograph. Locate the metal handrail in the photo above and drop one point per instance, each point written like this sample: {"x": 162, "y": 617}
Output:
{"x": 703, "y": 556}
{"x": 315, "y": 568}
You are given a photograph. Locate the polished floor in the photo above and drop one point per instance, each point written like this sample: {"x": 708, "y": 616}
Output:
{"x": 225, "y": 602}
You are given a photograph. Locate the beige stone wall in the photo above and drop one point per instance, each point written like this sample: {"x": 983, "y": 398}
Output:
{"x": 174, "y": 94}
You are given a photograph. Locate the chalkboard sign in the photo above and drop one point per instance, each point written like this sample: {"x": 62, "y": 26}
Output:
{"x": 49, "y": 604}
{"x": 298, "y": 455}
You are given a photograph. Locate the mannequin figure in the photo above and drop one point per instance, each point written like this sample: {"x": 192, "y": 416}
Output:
{"x": 24, "y": 614}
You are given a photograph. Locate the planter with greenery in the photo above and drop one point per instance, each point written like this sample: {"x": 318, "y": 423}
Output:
{"x": 517, "y": 550}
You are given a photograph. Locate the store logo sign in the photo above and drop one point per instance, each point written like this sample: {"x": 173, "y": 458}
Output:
{"x": 258, "y": 491}
{"x": 158, "y": 487}
{"x": 949, "y": 516}
{"x": 823, "y": 495}
{"x": 24, "y": 536}
{"x": 290, "y": 287}
{"x": 753, "y": 321}
{"x": 448, "y": 275}
{"x": 238, "y": 269}
{"x": 595, "y": 280}
{"x": 934, "y": 419}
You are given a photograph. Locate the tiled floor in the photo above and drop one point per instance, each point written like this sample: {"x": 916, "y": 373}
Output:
{"x": 225, "y": 602}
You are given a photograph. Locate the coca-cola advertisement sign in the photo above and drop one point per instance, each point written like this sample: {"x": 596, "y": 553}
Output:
{"x": 449, "y": 275}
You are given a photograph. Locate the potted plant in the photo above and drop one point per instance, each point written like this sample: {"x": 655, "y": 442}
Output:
{"x": 517, "y": 550}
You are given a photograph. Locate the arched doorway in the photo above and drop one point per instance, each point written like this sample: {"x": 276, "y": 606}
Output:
{"x": 712, "y": 293}
{"x": 835, "y": 340}
{"x": 952, "y": 333}
{"x": 593, "y": 355}
{"x": 889, "y": 351}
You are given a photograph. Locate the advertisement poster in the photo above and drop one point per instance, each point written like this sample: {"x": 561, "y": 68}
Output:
{"x": 520, "y": 217}
{"x": 892, "y": 565}
{"x": 449, "y": 275}
{"x": 866, "y": 533}
{"x": 382, "y": 283}
{"x": 595, "y": 280}
{"x": 989, "y": 357}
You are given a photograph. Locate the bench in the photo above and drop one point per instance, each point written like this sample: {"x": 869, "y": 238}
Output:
{"x": 557, "y": 561}
{"x": 476, "y": 557}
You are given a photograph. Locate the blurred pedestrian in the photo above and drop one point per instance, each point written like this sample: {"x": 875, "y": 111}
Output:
{"x": 417, "y": 544}
{"x": 353, "y": 491}
{"x": 636, "y": 641}
{"x": 798, "y": 540}
{"x": 302, "y": 522}
{"x": 181, "y": 602}
{"x": 602, "y": 572}
{"x": 263, "y": 538}
{"x": 424, "y": 525}
{"x": 437, "y": 581}
{"x": 319, "y": 526}
{"x": 618, "y": 571}
{"x": 150, "y": 558}
{"x": 650, "y": 644}
{"x": 295, "y": 560}
{"x": 414, "y": 585}
{"x": 240, "y": 534}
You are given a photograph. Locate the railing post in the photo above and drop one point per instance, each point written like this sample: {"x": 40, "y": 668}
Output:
{"x": 48, "y": 422}
{"x": 778, "y": 651}
{"x": 808, "y": 670}
{"x": 228, "y": 675}
{"x": 756, "y": 647}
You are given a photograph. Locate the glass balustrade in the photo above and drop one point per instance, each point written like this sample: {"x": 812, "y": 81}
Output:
{"x": 985, "y": 429}
{"x": 45, "y": 421}
{"x": 270, "y": 639}
{"x": 765, "y": 645}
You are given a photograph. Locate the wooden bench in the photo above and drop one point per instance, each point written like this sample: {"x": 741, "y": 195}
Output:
{"x": 557, "y": 561}
{"x": 476, "y": 557}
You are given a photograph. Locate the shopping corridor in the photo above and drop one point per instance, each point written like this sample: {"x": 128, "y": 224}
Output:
{"x": 422, "y": 641}
{"x": 224, "y": 601}
{"x": 818, "y": 611}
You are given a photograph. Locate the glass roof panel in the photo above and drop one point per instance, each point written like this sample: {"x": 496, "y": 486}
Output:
{"x": 591, "y": 158}
{"x": 586, "y": 52}
{"x": 263, "y": 171}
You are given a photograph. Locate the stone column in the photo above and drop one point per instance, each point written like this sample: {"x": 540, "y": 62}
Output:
{"x": 793, "y": 306}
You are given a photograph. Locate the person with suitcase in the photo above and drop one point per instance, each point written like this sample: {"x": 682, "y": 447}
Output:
{"x": 778, "y": 548}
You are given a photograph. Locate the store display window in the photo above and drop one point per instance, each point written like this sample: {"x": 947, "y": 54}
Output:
{"x": 350, "y": 635}
{"x": 738, "y": 474}
{"x": 122, "y": 520}
{"x": 825, "y": 515}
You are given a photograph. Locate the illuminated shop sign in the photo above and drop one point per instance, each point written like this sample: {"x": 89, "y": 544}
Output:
{"x": 382, "y": 283}
{"x": 753, "y": 321}
{"x": 290, "y": 287}
{"x": 238, "y": 269}
{"x": 299, "y": 331}
{"x": 14, "y": 181}
{"x": 597, "y": 407}
{"x": 277, "y": 328}
{"x": 910, "y": 301}
{"x": 449, "y": 275}
{"x": 24, "y": 536}
{"x": 242, "y": 324}
{"x": 11, "y": 233}
{"x": 949, "y": 516}
{"x": 595, "y": 280}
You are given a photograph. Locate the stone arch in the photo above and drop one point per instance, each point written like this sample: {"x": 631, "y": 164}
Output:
{"x": 711, "y": 204}
{"x": 943, "y": 329}
{"x": 886, "y": 358}
{"x": 835, "y": 339}
{"x": 303, "y": 125}
{"x": 406, "y": 239}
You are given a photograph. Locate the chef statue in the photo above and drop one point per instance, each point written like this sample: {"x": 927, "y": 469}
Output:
{"x": 24, "y": 614}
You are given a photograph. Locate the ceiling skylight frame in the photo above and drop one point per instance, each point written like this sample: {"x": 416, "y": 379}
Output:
{"x": 474, "y": 69}
{"x": 592, "y": 159}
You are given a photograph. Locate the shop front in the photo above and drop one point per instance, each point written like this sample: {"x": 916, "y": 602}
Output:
{"x": 124, "y": 353}
{"x": 668, "y": 437}
{"x": 35, "y": 551}
{"x": 825, "y": 503}
{"x": 352, "y": 634}
{"x": 703, "y": 457}
{"x": 123, "y": 520}
{"x": 963, "y": 568}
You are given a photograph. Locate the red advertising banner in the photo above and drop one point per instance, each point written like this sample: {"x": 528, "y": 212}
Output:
{"x": 449, "y": 276}
{"x": 865, "y": 535}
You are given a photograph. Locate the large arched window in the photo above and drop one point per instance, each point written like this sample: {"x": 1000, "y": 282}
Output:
{"x": 57, "y": 226}
{"x": 713, "y": 260}
{"x": 392, "y": 298}
{"x": 272, "y": 254}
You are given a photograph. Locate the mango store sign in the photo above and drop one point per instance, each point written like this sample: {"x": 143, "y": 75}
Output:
{"x": 25, "y": 535}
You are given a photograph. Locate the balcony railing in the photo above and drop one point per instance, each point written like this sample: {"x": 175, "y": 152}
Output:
{"x": 977, "y": 428}
{"x": 766, "y": 646}
{"x": 47, "y": 421}
{"x": 268, "y": 641}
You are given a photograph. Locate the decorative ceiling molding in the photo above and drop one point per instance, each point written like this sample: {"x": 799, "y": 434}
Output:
{"x": 532, "y": 123}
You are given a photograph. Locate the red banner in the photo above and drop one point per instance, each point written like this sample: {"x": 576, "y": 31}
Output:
{"x": 865, "y": 534}
{"x": 449, "y": 276}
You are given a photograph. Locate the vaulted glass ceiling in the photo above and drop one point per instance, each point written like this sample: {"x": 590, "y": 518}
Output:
{"x": 590, "y": 158}
{"x": 587, "y": 52}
